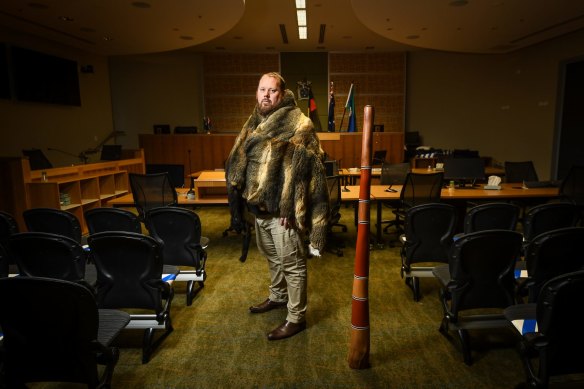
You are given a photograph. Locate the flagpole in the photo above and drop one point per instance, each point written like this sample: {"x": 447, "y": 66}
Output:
{"x": 342, "y": 118}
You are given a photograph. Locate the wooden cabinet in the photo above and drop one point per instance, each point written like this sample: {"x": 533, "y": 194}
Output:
{"x": 74, "y": 188}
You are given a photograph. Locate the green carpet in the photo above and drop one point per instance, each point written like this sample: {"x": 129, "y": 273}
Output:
{"x": 217, "y": 343}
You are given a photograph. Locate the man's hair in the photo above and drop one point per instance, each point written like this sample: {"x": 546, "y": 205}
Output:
{"x": 278, "y": 77}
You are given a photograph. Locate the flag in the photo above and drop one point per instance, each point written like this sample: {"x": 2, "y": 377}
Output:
{"x": 350, "y": 106}
{"x": 312, "y": 112}
{"x": 331, "y": 111}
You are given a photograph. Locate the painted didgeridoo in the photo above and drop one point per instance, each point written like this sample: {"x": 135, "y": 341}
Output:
{"x": 360, "y": 339}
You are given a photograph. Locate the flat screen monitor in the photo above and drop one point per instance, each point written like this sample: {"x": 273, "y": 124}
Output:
{"x": 379, "y": 157}
{"x": 37, "y": 159}
{"x": 176, "y": 173}
{"x": 111, "y": 152}
{"x": 465, "y": 172}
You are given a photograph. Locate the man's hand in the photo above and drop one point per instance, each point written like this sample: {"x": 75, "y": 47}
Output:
{"x": 314, "y": 252}
{"x": 287, "y": 223}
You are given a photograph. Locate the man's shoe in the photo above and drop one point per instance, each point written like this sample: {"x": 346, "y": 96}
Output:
{"x": 266, "y": 306}
{"x": 286, "y": 330}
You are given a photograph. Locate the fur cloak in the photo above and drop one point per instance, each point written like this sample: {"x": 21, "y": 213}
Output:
{"x": 291, "y": 181}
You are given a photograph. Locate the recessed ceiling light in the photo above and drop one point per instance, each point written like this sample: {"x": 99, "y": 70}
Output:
{"x": 302, "y": 32}
{"x": 301, "y": 17}
{"x": 66, "y": 18}
{"x": 107, "y": 38}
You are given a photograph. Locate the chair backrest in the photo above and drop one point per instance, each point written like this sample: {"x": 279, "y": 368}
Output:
{"x": 129, "y": 270}
{"x": 42, "y": 254}
{"x": 421, "y": 188}
{"x": 428, "y": 230}
{"x": 491, "y": 216}
{"x": 549, "y": 216}
{"x": 178, "y": 230}
{"x": 334, "y": 190}
{"x": 482, "y": 268}
{"x": 559, "y": 319}
{"x": 551, "y": 254}
{"x": 50, "y": 330}
{"x": 53, "y": 220}
{"x": 111, "y": 219}
{"x": 572, "y": 186}
{"x": 8, "y": 226}
{"x": 151, "y": 191}
{"x": 520, "y": 171}
{"x": 394, "y": 173}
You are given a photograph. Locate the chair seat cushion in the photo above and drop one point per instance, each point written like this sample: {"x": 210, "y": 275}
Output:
{"x": 111, "y": 323}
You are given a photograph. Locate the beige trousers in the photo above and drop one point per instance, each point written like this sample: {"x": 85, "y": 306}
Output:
{"x": 287, "y": 265}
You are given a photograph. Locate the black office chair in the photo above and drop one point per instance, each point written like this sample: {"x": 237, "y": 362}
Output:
{"x": 549, "y": 330}
{"x": 151, "y": 191}
{"x": 491, "y": 216}
{"x": 572, "y": 188}
{"x": 546, "y": 217}
{"x": 428, "y": 232}
{"x": 130, "y": 276}
{"x": 53, "y": 332}
{"x": 551, "y": 254}
{"x": 42, "y": 254}
{"x": 418, "y": 188}
{"x": 8, "y": 227}
{"x": 478, "y": 283}
{"x": 111, "y": 219}
{"x": 178, "y": 230}
{"x": 334, "y": 188}
{"x": 52, "y": 220}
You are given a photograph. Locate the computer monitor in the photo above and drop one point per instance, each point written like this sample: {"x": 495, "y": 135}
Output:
{"x": 465, "y": 172}
{"x": 37, "y": 159}
{"x": 111, "y": 152}
{"x": 378, "y": 157}
{"x": 176, "y": 173}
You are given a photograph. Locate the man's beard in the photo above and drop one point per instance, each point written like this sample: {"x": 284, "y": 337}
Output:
{"x": 265, "y": 110}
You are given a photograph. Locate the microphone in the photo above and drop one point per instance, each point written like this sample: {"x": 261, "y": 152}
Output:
{"x": 389, "y": 189}
{"x": 191, "y": 192}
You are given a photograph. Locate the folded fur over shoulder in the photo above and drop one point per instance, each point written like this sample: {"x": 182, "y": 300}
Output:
{"x": 290, "y": 181}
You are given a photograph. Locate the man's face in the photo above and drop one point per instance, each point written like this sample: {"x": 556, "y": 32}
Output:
{"x": 269, "y": 94}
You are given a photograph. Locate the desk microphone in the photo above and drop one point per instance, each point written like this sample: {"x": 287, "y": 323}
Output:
{"x": 191, "y": 192}
{"x": 390, "y": 189}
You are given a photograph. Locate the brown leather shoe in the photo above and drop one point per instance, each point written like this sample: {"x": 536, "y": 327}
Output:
{"x": 286, "y": 330}
{"x": 266, "y": 306}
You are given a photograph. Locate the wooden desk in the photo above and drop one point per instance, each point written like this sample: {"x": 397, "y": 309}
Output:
{"x": 128, "y": 200}
{"x": 508, "y": 191}
{"x": 489, "y": 171}
{"x": 210, "y": 184}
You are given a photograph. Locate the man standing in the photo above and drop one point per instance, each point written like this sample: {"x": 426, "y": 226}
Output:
{"x": 276, "y": 169}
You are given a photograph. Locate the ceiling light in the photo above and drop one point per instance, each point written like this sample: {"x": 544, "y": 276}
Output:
{"x": 302, "y": 32}
{"x": 301, "y": 15}
{"x": 300, "y": 3}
